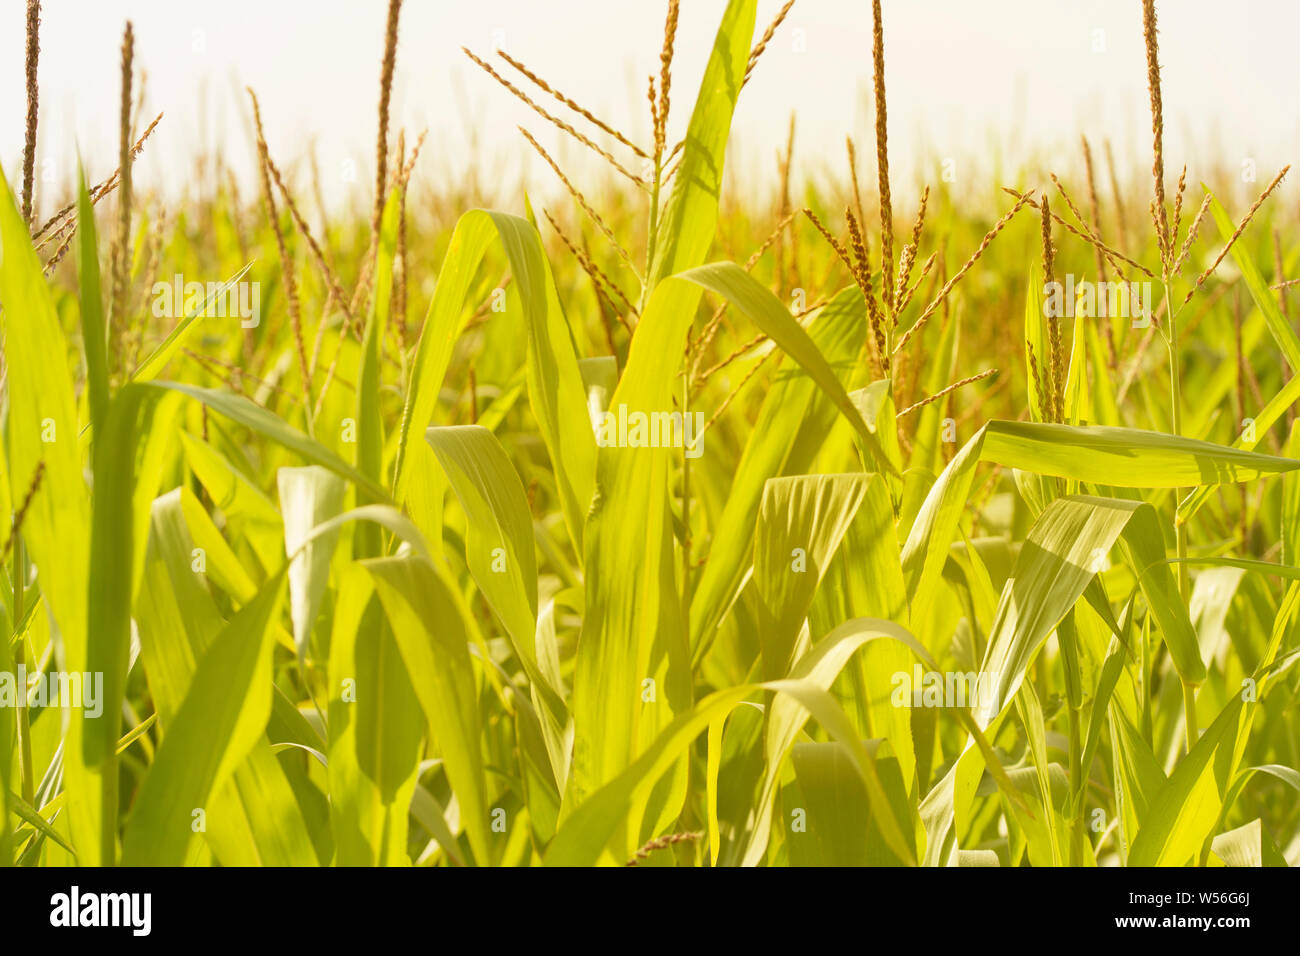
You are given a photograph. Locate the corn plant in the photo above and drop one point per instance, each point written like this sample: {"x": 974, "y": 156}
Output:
{"x": 622, "y": 554}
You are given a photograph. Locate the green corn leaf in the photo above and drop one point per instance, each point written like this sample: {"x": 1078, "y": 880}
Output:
{"x": 157, "y": 360}
{"x": 801, "y": 522}
{"x": 428, "y": 626}
{"x": 241, "y": 410}
{"x": 765, "y": 310}
{"x": 25, "y": 812}
{"x": 584, "y": 836}
{"x": 42, "y": 430}
{"x": 691, "y": 215}
{"x": 1247, "y": 845}
{"x": 499, "y": 552}
{"x": 1185, "y": 808}
{"x": 865, "y": 579}
{"x": 555, "y": 387}
{"x": 499, "y": 544}
{"x": 1113, "y": 457}
{"x": 94, "y": 329}
{"x": 792, "y": 423}
{"x": 1280, "y": 327}
{"x": 112, "y": 562}
{"x": 308, "y": 497}
{"x": 222, "y": 717}
{"x": 375, "y": 731}
{"x": 1064, "y": 551}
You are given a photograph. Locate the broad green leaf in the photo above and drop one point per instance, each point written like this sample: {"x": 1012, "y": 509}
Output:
{"x": 555, "y": 387}
{"x": 94, "y": 330}
{"x": 1265, "y": 418}
{"x": 1280, "y": 327}
{"x": 1184, "y": 812}
{"x": 875, "y": 404}
{"x": 175, "y": 614}
{"x": 42, "y": 429}
{"x": 1287, "y": 775}
{"x": 222, "y": 717}
{"x": 1123, "y": 457}
{"x": 1054, "y": 568}
{"x": 428, "y": 626}
{"x": 499, "y": 552}
{"x": 1064, "y": 551}
{"x": 1031, "y": 716}
{"x": 1291, "y": 503}
{"x": 1138, "y": 777}
{"x": 791, "y": 427}
{"x": 630, "y": 634}
{"x": 835, "y": 802}
{"x": 801, "y": 522}
{"x": 375, "y": 731}
{"x": 254, "y": 819}
{"x": 537, "y": 767}
{"x": 865, "y": 579}
{"x": 584, "y": 837}
{"x": 840, "y": 829}
{"x": 820, "y": 666}
{"x": 431, "y": 815}
{"x": 691, "y": 216}
{"x": 1247, "y": 845}
{"x": 1185, "y": 809}
{"x": 499, "y": 541}
{"x": 248, "y": 510}
{"x": 1112, "y": 457}
{"x": 754, "y": 300}
{"x": 633, "y": 630}
{"x": 112, "y": 562}
{"x": 1110, "y": 674}
{"x": 1048, "y": 789}
{"x": 223, "y": 566}
{"x": 308, "y": 497}
{"x": 268, "y": 424}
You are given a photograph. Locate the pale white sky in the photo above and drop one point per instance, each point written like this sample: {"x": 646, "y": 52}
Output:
{"x": 989, "y": 83}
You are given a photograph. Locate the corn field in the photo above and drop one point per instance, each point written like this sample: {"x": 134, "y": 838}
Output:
{"x": 655, "y": 527}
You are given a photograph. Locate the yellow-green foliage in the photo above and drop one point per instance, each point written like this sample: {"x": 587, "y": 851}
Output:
{"x": 443, "y": 601}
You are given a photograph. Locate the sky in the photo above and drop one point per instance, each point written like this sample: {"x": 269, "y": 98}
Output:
{"x": 984, "y": 85}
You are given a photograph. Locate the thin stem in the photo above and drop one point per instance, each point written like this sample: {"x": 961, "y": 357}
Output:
{"x": 1180, "y": 533}
{"x": 653, "y": 234}
{"x": 1176, "y": 423}
{"x": 686, "y": 505}
{"x": 25, "y": 747}
{"x": 1189, "y": 714}
{"x": 25, "y": 768}
{"x": 1145, "y": 684}
{"x": 1077, "y": 771}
